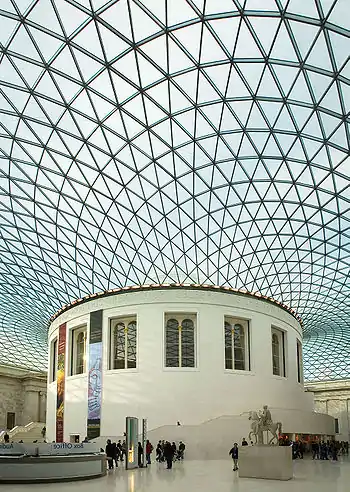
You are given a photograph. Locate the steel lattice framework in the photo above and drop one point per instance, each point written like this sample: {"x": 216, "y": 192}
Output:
{"x": 191, "y": 141}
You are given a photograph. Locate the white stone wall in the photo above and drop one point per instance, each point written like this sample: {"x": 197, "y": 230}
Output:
{"x": 22, "y": 393}
{"x": 192, "y": 396}
{"x": 333, "y": 398}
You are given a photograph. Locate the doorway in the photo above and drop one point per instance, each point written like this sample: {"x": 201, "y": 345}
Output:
{"x": 11, "y": 420}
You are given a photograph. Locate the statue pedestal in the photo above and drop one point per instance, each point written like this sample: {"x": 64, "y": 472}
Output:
{"x": 267, "y": 462}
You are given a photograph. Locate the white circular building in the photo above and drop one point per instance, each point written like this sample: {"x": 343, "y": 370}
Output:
{"x": 175, "y": 353}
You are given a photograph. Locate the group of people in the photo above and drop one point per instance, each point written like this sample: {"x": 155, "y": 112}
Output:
{"x": 115, "y": 452}
{"x": 323, "y": 450}
{"x": 169, "y": 452}
{"x": 165, "y": 452}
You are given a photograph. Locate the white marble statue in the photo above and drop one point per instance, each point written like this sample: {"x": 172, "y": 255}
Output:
{"x": 262, "y": 421}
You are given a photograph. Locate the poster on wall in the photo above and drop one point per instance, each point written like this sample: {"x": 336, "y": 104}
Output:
{"x": 61, "y": 355}
{"x": 95, "y": 375}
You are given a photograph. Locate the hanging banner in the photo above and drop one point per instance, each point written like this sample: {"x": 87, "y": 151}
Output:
{"x": 61, "y": 355}
{"x": 95, "y": 375}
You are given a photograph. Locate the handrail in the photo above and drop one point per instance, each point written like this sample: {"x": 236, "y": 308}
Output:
{"x": 21, "y": 428}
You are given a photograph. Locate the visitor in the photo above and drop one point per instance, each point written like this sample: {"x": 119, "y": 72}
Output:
{"x": 173, "y": 445}
{"x": 43, "y": 432}
{"x": 333, "y": 451}
{"x": 251, "y": 443}
{"x": 149, "y": 449}
{"x": 178, "y": 423}
{"x": 159, "y": 452}
{"x": 234, "y": 454}
{"x": 315, "y": 450}
{"x": 244, "y": 442}
{"x": 6, "y": 438}
{"x": 109, "y": 453}
{"x": 120, "y": 450}
{"x": 123, "y": 450}
{"x": 301, "y": 450}
{"x": 115, "y": 453}
{"x": 86, "y": 440}
{"x": 168, "y": 454}
{"x": 182, "y": 448}
{"x": 140, "y": 455}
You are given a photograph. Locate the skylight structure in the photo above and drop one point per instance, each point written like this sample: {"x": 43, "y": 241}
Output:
{"x": 190, "y": 141}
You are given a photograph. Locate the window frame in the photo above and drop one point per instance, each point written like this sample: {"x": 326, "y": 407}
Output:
{"x": 74, "y": 333}
{"x": 281, "y": 334}
{"x": 181, "y": 316}
{"x": 112, "y": 323}
{"x": 245, "y": 323}
{"x": 300, "y": 370}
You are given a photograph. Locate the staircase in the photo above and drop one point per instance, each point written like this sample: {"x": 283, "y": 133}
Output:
{"x": 27, "y": 433}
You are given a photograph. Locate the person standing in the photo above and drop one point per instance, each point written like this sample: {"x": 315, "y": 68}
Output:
{"x": 6, "y": 438}
{"x": 182, "y": 448}
{"x": 173, "y": 445}
{"x": 115, "y": 453}
{"x": 149, "y": 449}
{"x": 123, "y": 450}
{"x": 244, "y": 442}
{"x": 168, "y": 455}
{"x": 43, "y": 432}
{"x": 234, "y": 454}
{"x": 120, "y": 450}
{"x": 140, "y": 455}
{"x": 159, "y": 452}
{"x": 109, "y": 453}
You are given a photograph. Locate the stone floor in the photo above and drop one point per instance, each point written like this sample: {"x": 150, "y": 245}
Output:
{"x": 207, "y": 476}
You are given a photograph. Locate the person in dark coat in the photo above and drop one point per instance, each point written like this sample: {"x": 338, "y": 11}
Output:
{"x": 244, "y": 442}
{"x": 234, "y": 453}
{"x": 182, "y": 448}
{"x": 168, "y": 455}
{"x": 159, "y": 452}
{"x": 109, "y": 453}
{"x": 115, "y": 453}
{"x": 140, "y": 455}
{"x": 6, "y": 438}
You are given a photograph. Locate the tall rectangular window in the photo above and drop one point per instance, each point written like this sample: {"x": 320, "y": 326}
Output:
{"x": 53, "y": 360}
{"x": 237, "y": 355}
{"x": 123, "y": 338}
{"x": 278, "y": 352}
{"x": 299, "y": 362}
{"x": 78, "y": 351}
{"x": 180, "y": 335}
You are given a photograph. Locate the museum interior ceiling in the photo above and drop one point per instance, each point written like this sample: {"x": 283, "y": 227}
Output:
{"x": 175, "y": 141}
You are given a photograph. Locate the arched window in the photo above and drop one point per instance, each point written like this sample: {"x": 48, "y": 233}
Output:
{"x": 123, "y": 343}
{"x": 78, "y": 351}
{"x": 180, "y": 341}
{"x": 278, "y": 355}
{"x": 236, "y": 344}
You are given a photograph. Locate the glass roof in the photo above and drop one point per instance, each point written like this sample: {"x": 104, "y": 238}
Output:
{"x": 192, "y": 141}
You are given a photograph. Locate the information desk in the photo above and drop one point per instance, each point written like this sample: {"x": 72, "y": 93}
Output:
{"x": 56, "y": 462}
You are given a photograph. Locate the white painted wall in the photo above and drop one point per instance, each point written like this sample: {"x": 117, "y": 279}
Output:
{"x": 191, "y": 396}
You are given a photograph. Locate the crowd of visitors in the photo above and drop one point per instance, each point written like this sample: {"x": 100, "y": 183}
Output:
{"x": 165, "y": 452}
{"x": 321, "y": 450}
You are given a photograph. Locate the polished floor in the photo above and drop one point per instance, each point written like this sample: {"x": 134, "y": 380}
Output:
{"x": 207, "y": 476}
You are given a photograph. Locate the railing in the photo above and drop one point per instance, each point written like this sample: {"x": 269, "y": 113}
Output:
{"x": 21, "y": 428}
